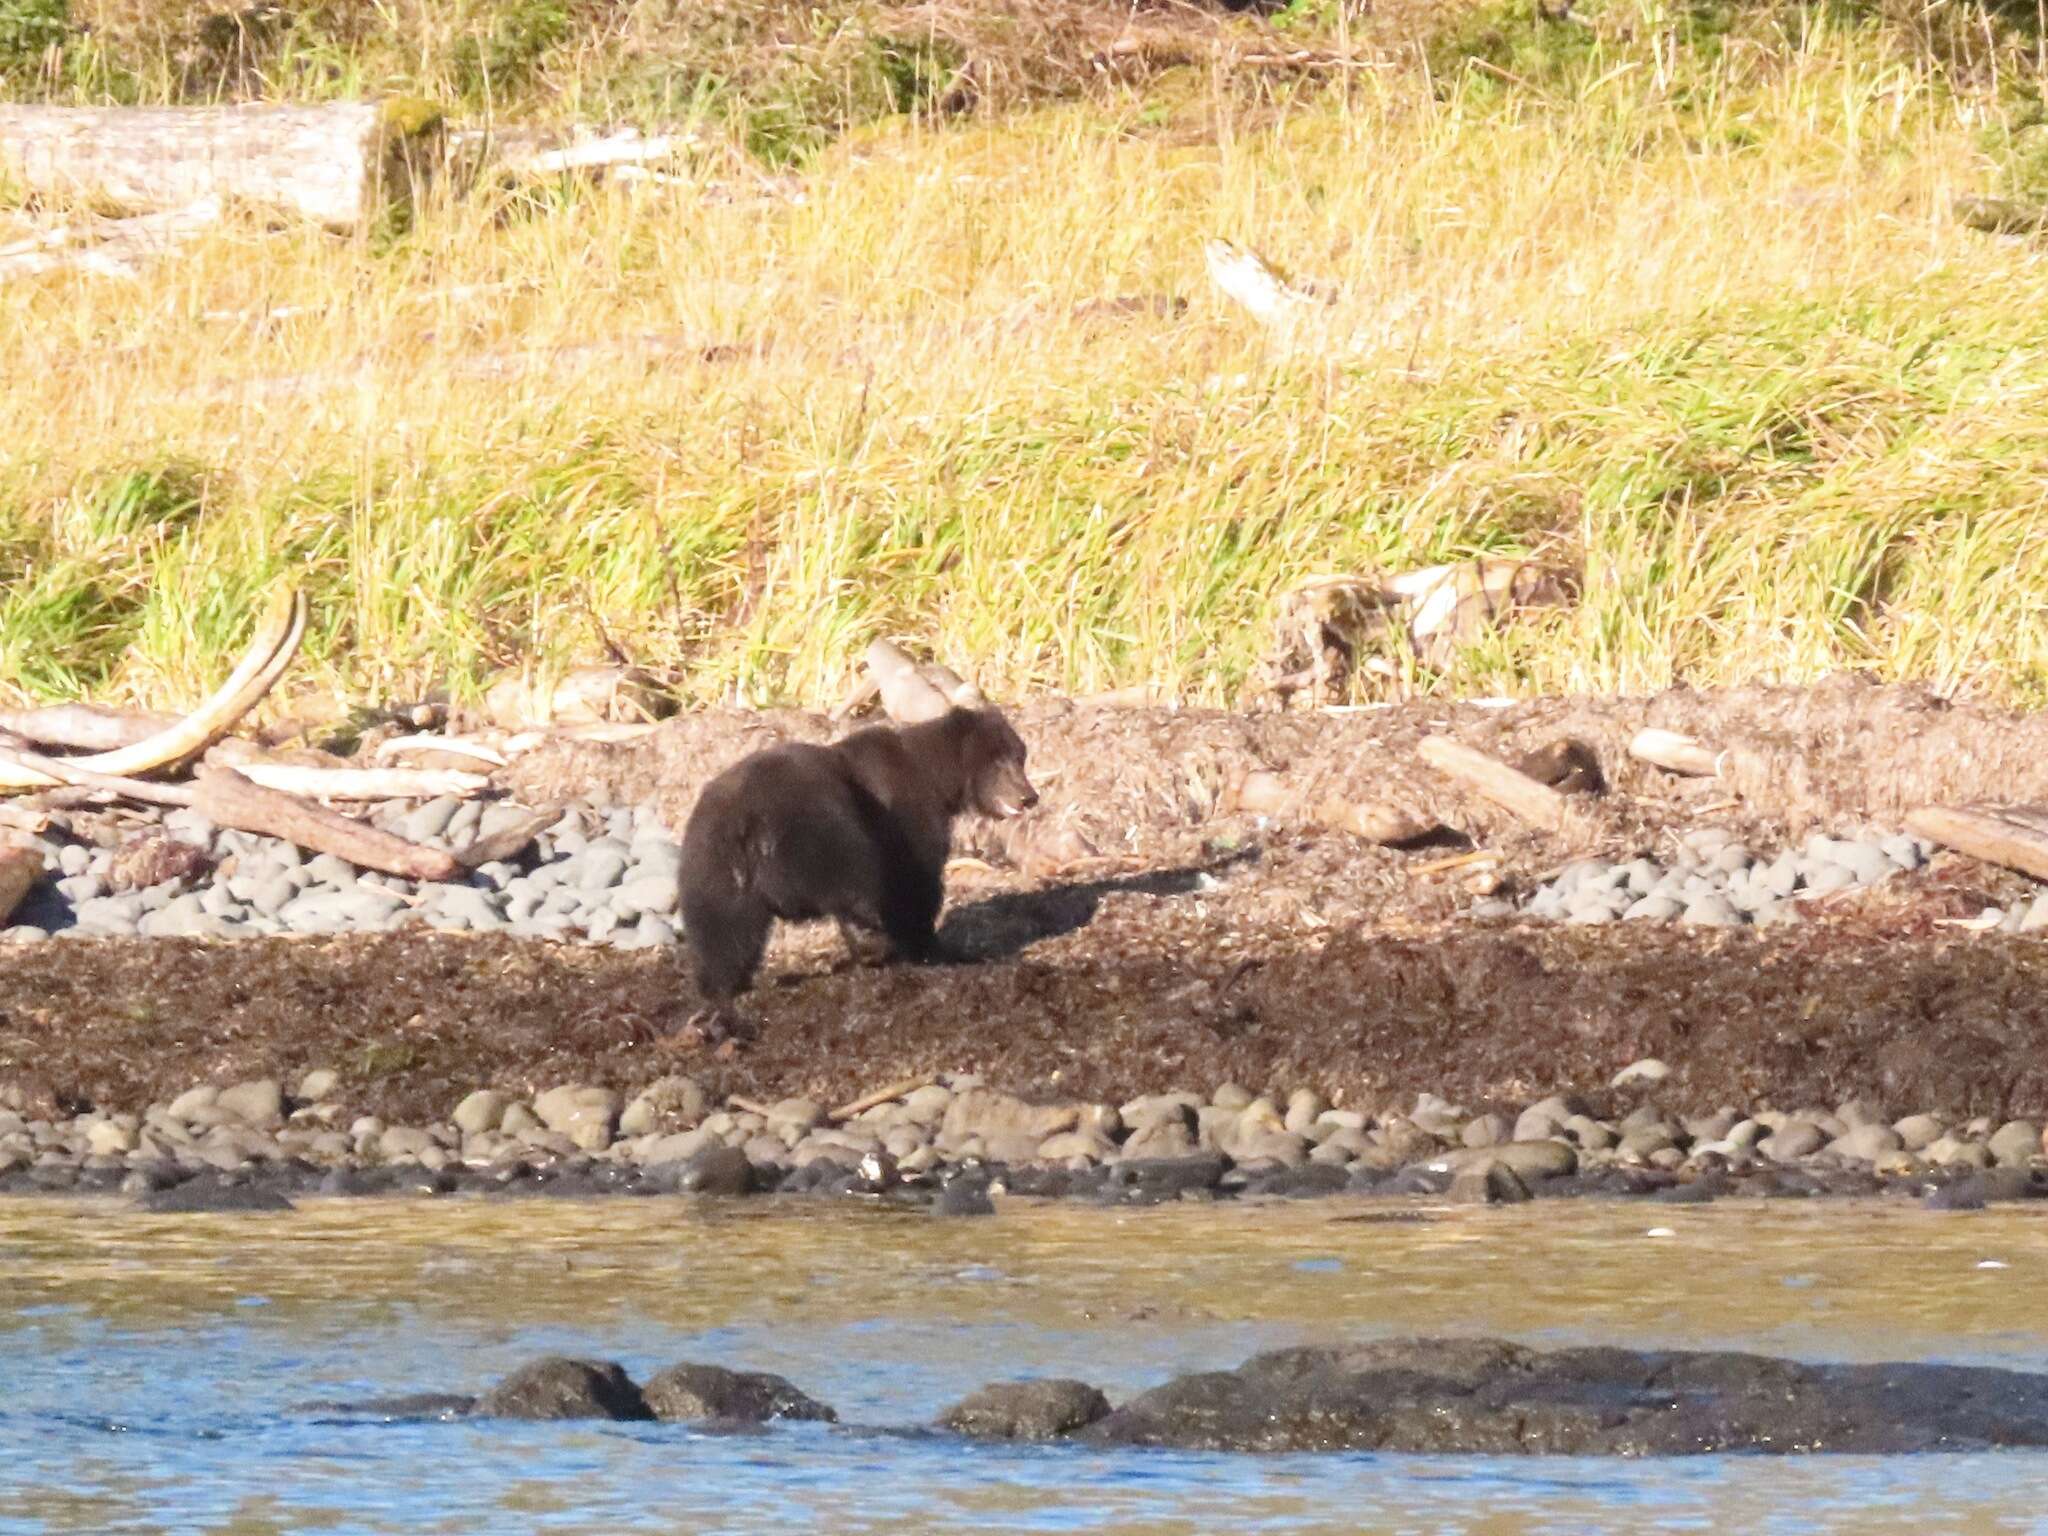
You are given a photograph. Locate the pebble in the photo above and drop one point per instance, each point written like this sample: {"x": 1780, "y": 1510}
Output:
{"x": 1792, "y": 1141}
{"x": 2015, "y": 1144}
{"x": 1717, "y": 881}
{"x": 1648, "y": 1070}
{"x": 257, "y": 1103}
{"x": 1867, "y": 1143}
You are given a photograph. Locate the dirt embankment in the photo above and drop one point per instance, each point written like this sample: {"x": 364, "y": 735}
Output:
{"x": 1194, "y": 946}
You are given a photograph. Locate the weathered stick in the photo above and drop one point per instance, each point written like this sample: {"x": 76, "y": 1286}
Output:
{"x": 1984, "y": 834}
{"x": 618, "y": 149}
{"x": 20, "y": 869}
{"x": 604, "y": 734}
{"x": 1675, "y": 753}
{"x": 21, "y": 758}
{"x": 868, "y": 1101}
{"x": 84, "y": 727}
{"x": 268, "y": 655}
{"x": 338, "y": 165}
{"x": 229, "y": 799}
{"x": 1489, "y": 778}
{"x": 454, "y": 746}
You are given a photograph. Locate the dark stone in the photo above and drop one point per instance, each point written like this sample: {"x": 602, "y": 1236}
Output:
{"x": 1308, "y": 1180}
{"x": 694, "y": 1392}
{"x": 1418, "y": 1180}
{"x": 354, "y": 1181}
{"x": 813, "y": 1175}
{"x": 1040, "y": 1181}
{"x": 1363, "y": 1179}
{"x": 1488, "y": 1184}
{"x": 409, "y": 1406}
{"x": 415, "y": 1179}
{"x": 159, "y": 1174}
{"x": 964, "y": 1197}
{"x": 559, "y": 1388}
{"x": 1701, "y": 1191}
{"x": 1168, "y": 1176}
{"x": 208, "y": 1193}
{"x": 1026, "y": 1410}
{"x": 1492, "y": 1397}
{"x": 1965, "y": 1194}
{"x": 716, "y": 1170}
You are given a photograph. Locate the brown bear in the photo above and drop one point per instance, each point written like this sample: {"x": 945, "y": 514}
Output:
{"x": 857, "y": 831}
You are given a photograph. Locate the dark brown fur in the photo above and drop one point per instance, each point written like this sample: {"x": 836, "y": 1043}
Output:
{"x": 857, "y": 831}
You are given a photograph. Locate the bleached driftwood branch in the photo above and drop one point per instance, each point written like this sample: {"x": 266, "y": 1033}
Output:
{"x": 1244, "y": 276}
{"x": 912, "y": 691}
{"x": 625, "y": 148}
{"x": 276, "y": 641}
{"x": 18, "y": 755}
{"x": 1492, "y": 780}
{"x": 1675, "y": 753}
{"x": 338, "y": 165}
{"x": 109, "y": 247}
{"x": 454, "y": 746}
{"x": 84, "y": 727}
{"x": 2016, "y": 837}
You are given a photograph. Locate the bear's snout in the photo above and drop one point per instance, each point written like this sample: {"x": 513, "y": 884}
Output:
{"x": 1011, "y": 794}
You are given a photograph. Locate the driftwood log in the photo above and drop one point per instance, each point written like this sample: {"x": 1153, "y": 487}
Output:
{"x": 2015, "y": 836}
{"x": 339, "y": 165}
{"x": 84, "y": 727}
{"x": 277, "y": 640}
{"x": 20, "y": 868}
{"x": 1675, "y": 753}
{"x": 109, "y": 247}
{"x": 1265, "y": 793}
{"x": 1509, "y": 788}
{"x": 228, "y": 799}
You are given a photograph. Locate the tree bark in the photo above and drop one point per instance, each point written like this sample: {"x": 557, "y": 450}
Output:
{"x": 338, "y": 165}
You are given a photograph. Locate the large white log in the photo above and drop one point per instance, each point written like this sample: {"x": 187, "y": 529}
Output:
{"x": 338, "y": 165}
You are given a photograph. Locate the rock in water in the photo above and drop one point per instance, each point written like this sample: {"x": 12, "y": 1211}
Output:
{"x": 964, "y": 1197}
{"x": 207, "y": 1194}
{"x": 696, "y": 1392}
{"x": 716, "y": 1170}
{"x": 1487, "y": 1396}
{"x": 1026, "y": 1410}
{"x": 561, "y": 1388}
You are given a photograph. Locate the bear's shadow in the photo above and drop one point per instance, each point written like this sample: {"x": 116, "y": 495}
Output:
{"x": 1001, "y": 926}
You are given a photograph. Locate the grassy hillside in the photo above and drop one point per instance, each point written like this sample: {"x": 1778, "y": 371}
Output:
{"x": 1673, "y": 292}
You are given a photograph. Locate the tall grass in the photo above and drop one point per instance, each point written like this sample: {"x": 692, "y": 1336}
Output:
{"x": 1686, "y": 306}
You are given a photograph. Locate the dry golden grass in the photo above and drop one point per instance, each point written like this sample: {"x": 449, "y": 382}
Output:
{"x": 1698, "y": 318}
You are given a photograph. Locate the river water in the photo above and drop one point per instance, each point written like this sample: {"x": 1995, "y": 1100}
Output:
{"x": 149, "y": 1365}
